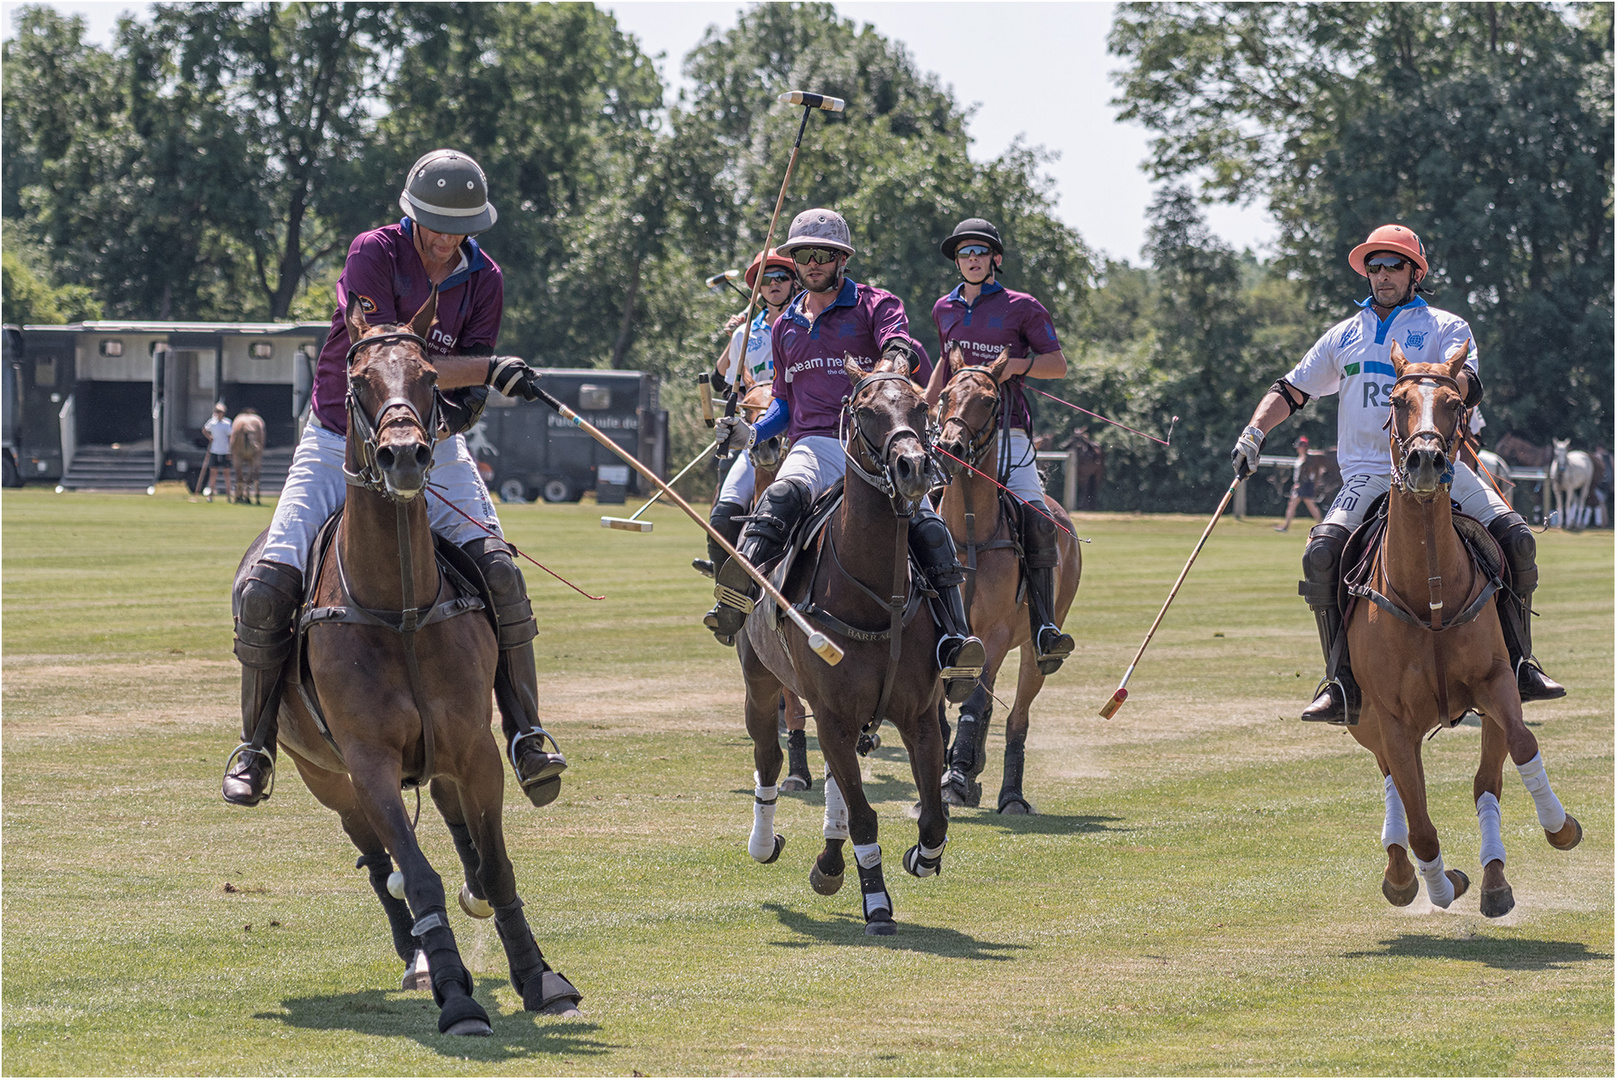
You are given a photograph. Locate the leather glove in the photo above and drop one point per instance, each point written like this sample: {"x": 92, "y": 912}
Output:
{"x": 1247, "y": 448}
{"x": 513, "y": 377}
{"x": 732, "y": 433}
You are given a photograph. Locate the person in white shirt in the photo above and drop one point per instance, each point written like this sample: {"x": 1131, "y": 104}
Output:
{"x": 1353, "y": 361}
{"x": 218, "y": 432}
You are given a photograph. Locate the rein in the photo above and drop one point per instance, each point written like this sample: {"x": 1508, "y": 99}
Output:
{"x": 850, "y": 427}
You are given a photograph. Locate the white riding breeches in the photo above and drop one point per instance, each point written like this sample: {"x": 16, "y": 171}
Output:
{"x": 1024, "y": 480}
{"x": 816, "y": 460}
{"x": 315, "y": 487}
{"x": 1477, "y": 498}
{"x": 740, "y": 482}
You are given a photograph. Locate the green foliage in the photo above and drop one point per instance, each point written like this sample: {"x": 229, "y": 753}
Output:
{"x": 28, "y": 298}
{"x": 1487, "y": 128}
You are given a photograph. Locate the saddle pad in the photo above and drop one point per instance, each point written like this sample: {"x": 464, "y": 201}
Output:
{"x": 1363, "y": 547}
{"x": 806, "y": 532}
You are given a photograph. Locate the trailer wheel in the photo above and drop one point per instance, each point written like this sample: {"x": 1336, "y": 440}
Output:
{"x": 513, "y": 491}
{"x": 558, "y": 489}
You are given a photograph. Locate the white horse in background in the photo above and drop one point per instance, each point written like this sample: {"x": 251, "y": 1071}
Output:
{"x": 1570, "y": 474}
{"x": 1499, "y": 469}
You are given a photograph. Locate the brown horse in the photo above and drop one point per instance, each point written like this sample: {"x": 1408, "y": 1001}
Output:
{"x": 404, "y": 688}
{"x": 855, "y": 583}
{"x": 246, "y": 455}
{"x": 968, "y": 421}
{"x": 1424, "y": 621}
{"x": 1090, "y": 473}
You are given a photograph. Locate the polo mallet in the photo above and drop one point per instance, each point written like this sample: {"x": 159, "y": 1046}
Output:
{"x": 810, "y": 102}
{"x": 704, "y": 389}
{"x": 823, "y": 646}
{"x": 1115, "y": 702}
{"x": 632, "y": 523}
{"x": 726, "y": 278}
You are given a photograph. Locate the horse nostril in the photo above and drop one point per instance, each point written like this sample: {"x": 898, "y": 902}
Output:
{"x": 384, "y": 457}
{"x": 423, "y": 454}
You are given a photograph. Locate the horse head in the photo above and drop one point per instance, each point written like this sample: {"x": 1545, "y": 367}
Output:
{"x": 1425, "y": 420}
{"x": 883, "y": 416}
{"x": 968, "y": 411}
{"x": 753, "y": 404}
{"x": 1561, "y": 448}
{"x": 392, "y": 401}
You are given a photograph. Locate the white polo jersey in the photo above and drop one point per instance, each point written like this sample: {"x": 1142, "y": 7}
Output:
{"x": 1354, "y": 361}
{"x": 760, "y": 351}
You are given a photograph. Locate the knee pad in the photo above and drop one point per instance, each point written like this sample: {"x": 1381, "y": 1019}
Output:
{"x": 724, "y": 518}
{"x": 507, "y": 589}
{"x": 1322, "y": 557}
{"x": 934, "y": 549}
{"x": 266, "y": 602}
{"x": 782, "y": 504}
{"x": 1516, "y": 540}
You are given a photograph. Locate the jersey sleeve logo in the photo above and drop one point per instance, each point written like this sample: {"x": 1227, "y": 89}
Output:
{"x": 367, "y": 305}
{"x": 1416, "y": 339}
{"x": 1350, "y": 335}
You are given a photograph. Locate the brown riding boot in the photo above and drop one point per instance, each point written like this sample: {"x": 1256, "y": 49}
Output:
{"x": 266, "y": 604}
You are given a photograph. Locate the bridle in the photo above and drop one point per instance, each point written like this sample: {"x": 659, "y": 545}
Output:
{"x": 978, "y": 439}
{"x": 851, "y": 428}
{"x": 366, "y": 427}
{"x": 1401, "y": 443}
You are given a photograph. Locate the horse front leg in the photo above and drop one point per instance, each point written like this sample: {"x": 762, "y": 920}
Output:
{"x": 376, "y": 775}
{"x": 1398, "y": 881}
{"x": 1500, "y": 702}
{"x": 1029, "y": 681}
{"x": 764, "y": 844}
{"x": 925, "y": 745}
{"x": 837, "y": 739}
{"x": 969, "y": 754}
{"x": 1486, "y": 788}
{"x": 1401, "y": 754}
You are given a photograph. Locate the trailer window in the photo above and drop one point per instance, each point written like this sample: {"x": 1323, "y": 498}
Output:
{"x": 594, "y": 397}
{"x": 45, "y": 371}
{"x": 261, "y": 350}
{"x": 112, "y": 347}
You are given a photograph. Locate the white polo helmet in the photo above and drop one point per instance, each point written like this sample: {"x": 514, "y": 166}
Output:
{"x": 818, "y": 228}
{"x": 448, "y": 193}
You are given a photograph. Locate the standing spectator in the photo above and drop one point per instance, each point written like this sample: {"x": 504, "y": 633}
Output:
{"x": 1302, "y": 487}
{"x": 218, "y": 460}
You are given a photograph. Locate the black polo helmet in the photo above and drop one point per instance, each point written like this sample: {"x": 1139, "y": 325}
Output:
{"x": 448, "y": 193}
{"x": 974, "y": 228}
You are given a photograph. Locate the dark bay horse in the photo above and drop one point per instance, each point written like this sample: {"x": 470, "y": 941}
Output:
{"x": 857, "y": 590}
{"x": 402, "y": 664}
{"x": 968, "y": 420}
{"x": 1424, "y": 620}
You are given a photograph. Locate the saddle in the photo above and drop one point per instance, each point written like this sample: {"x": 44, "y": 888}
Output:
{"x": 1364, "y": 548}
{"x": 1010, "y": 513}
{"x": 467, "y": 592}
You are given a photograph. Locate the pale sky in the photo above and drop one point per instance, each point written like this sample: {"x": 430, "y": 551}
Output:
{"x": 1039, "y": 70}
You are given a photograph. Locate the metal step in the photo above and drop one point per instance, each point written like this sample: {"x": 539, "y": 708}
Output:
{"x": 106, "y": 468}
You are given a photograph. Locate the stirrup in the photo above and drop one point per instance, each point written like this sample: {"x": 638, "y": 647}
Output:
{"x": 1347, "y": 716}
{"x": 543, "y": 786}
{"x": 1551, "y": 688}
{"x": 1049, "y": 660}
{"x": 733, "y": 598}
{"x": 239, "y": 759}
{"x": 960, "y": 678}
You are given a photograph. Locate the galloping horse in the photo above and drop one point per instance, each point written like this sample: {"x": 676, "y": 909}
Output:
{"x": 1570, "y": 478}
{"x": 968, "y": 420}
{"x": 246, "y": 455}
{"x": 402, "y": 665}
{"x": 856, "y": 583}
{"x": 1424, "y": 620}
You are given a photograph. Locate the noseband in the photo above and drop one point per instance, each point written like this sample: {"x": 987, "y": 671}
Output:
{"x": 1401, "y": 449}
{"x": 882, "y": 481}
{"x": 369, "y": 475}
{"x": 977, "y": 439}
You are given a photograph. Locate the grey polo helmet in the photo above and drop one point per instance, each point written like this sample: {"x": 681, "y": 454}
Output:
{"x": 818, "y": 228}
{"x": 448, "y": 193}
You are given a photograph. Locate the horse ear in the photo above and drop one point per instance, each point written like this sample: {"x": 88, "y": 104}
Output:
{"x": 423, "y": 318}
{"x": 1399, "y": 360}
{"x": 854, "y": 371}
{"x": 355, "y": 318}
{"x": 997, "y": 368}
{"x": 957, "y": 360}
{"x": 1457, "y": 358}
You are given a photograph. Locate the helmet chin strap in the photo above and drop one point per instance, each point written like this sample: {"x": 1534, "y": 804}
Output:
{"x": 993, "y": 269}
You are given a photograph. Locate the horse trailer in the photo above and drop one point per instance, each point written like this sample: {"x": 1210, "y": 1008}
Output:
{"x": 525, "y": 451}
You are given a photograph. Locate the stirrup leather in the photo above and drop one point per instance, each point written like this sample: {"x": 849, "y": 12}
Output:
{"x": 239, "y": 758}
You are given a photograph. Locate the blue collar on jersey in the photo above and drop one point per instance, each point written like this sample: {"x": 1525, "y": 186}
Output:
{"x": 989, "y": 288}
{"x": 473, "y": 253}
{"x": 847, "y": 296}
{"x": 1383, "y": 325}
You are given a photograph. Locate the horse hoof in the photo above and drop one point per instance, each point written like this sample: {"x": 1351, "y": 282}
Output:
{"x": 564, "y": 1009}
{"x": 1460, "y": 882}
{"x": 418, "y": 976}
{"x": 780, "y": 845}
{"x": 475, "y": 906}
{"x": 1400, "y": 895}
{"x": 823, "y": 883}
{"x": 958, "y": 791}
{"x": 469, "y": 1026}
{"x": 881, "y": 927}
{"x": 463, "y": 1016}
{"x": 1568, "y": 837}
{"x": 1497, "y": 902}
{"x": 1011, "y": 802}
{"x": 920, "y": 866}
{"x": 796, "y": 783}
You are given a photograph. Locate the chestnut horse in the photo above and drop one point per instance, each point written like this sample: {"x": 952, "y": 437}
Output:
{"x": 1425, "y": 623}
{"x": 403, "y": 671}
{"x": 856, "y": 585}
{"x": 968, "y": 421}
{"x": 246, "y": 455}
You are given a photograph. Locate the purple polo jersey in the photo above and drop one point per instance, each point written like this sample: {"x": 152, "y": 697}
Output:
{"x": 809, "y": 373}
{"x": 1000, "y": 319}
{"x": 384, "y": 268}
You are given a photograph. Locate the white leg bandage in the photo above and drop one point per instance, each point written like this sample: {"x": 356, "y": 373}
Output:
{"x": 1439, "y": 889}
{"x": 761, "y": 844}
{"x": 1395, "y": 829}
{"x": 1551, "y": 815}
{"x": 836, "y": 811}
{"x": 1493, "y": 844}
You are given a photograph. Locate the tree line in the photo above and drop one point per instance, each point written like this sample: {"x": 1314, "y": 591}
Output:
{"x": 215, "y": 160}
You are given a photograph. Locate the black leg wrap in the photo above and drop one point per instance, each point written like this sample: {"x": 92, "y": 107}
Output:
{"x": 521, "y": 950}
{"x": 960, "y": 784}
{"x": 878, "y": 905}
{"x": 449, "y": 974}
{"x": 797, "y": 767}
{"x": 380, "y": 866}
{"x": 1010, "y": 788}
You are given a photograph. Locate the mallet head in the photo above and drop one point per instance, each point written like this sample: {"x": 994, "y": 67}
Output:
{"x": 825, "y": 648}
{"x": 1115, "y": 702}
{"x": 812, "y": 100}
{"x": 626, "y": 524}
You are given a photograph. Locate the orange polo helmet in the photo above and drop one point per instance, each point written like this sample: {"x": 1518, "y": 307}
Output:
{"x": 1389, "y": 238}
{"x": 776, "y": 261}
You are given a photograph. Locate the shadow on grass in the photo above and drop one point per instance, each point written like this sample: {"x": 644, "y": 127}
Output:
{"x": 911, "y": 937}
{"x": 1040, "y": 824}
{"x": 392, "y": 1014}
{"x": 1507, "y": 954}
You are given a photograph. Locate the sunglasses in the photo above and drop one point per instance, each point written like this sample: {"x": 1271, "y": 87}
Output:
{"x": 777, "y": 276}
{"x": 1387, "y": 262}
{"x": 818, "y": 256}
{"x": 971, "y": 250}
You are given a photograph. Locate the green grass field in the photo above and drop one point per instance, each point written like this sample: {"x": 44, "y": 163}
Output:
{"x": 1199, "y": 893}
